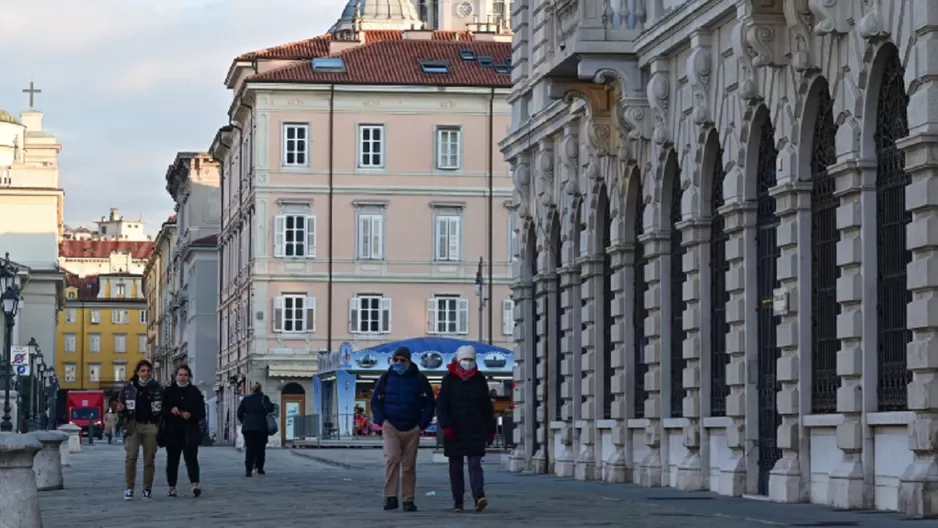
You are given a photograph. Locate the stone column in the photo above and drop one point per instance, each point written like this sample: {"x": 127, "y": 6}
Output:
{"x": 19, "y": 498}
{"x": 543, "y": 286}
{"x": 48, "y": 462}
{"x": 591, "y": 268}
{"x": 739, "y": 219}
{"x": 524, "y": 315}
{"x": 695, "y": 235}
{"x": 918, "y": 485}
{"x": 74, "y": 437}
{"x": 571, "y": 388}
{"x": 618, "y": 466}
{"x": 793, "y": 207}
{"x": 656, "y": 244}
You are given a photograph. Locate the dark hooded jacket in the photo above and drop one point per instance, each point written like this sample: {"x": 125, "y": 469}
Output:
{"x": 466, "y": 407}
{"x": 404, "y": 400}
{"x": 142, "y": 404}
{"x": 177, "y": 431}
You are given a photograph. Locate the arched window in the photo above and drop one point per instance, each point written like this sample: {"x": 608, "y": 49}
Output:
{"x": 892, "y": 255}
{"x": 677, "y": 295}
{"x": 604, "y": 326}
{"x": 639, "y": 312}
{"x": 557, "y": 316}
{"x": 718, "y": 294}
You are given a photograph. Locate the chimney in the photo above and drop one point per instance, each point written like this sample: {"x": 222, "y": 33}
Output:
{"x": 32, "y": 120}
{"x": 115, "y": 214}
{"x": 417, "y": 34}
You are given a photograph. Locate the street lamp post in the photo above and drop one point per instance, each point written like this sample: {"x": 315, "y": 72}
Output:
{"x": 10, "y": 300}
{"x": 480, "y": 291}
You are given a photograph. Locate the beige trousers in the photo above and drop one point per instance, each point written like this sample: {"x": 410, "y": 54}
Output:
{"x": 400, "y": 460}
{"x": 140, "y": 435}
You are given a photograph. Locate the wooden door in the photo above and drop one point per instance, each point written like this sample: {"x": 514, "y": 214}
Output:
{"x": 290, "y": 405}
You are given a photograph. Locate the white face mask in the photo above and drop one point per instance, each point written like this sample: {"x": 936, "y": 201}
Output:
{"x": 467, "y": 364}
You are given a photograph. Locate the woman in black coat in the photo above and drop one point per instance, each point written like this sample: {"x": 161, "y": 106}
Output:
{"x": 181, "y": 429}
{"x": 467, "y": 418}
{"x": 252, "y": 414}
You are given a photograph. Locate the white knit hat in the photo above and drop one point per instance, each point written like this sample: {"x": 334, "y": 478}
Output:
{"x": 465, "y": 352}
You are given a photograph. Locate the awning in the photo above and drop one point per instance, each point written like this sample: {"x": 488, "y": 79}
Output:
{"x": 287, "y": 371}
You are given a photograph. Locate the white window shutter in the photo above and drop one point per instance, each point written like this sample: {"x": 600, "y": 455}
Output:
{"x": 508, "y": 317}
{"x": 115, "y": 316}
{"x": 454, "y": 238}
{"x": 462, "y": 317}
{"x": 385, "y": 315}
{"x": 353, "y": 311}
{"x": 278, "y": 313}
{"x": 310, "y": 236}
{"x": 441, "y": 244}
{"x": 377, "y": 237}
{"x": 441, "y": 150}
{"x": 279, "y": 234}
{"x": 364, "y": 236}
{"x": 457, "y": 147}
{"x": 310, "y": 322}
{"x": 431, "y": 315}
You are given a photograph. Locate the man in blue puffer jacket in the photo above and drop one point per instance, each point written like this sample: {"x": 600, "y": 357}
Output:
{"x": 403, "y": 404}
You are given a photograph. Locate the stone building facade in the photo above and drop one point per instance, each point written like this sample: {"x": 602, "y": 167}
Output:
{"x": 725, "y": 268}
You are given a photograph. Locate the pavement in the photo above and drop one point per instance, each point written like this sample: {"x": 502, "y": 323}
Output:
{"x": 342, "y": 488}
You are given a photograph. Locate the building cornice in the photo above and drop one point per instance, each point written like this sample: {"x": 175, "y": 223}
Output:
{"x": 545, "y": 123}
{"x": 373, "y": 88}
{"x": 673, "y": 30}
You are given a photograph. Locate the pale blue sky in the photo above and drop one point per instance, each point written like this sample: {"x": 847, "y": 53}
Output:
{"x": 128, "y": 83}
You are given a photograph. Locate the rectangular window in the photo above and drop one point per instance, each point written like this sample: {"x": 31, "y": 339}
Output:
{"x": 120, "y": 372}
{"x": 120, "y": 316}
{"x": 370, "y": 236}
{"x": 508, "y": 316}
{"x": 294, "y": 313}
{"x": 448, "y": 147}
{"x": 295, "y": 236}
{"x": 143, "y": 317}
{"x": 96, "y": 316}
{"x": 70, "y": 342}
{"x": 512, "y": 237}
{"x": 447, "y": 237}
{"x": 370, "y": 146}
{"x": 120, "y": 343}
{"x": 295, "y": 145}
{"x": 447, "y": 315}
{"x": 121, "y": 290}
{"x": 94, "y": 373}
{"x": 141, "y": 343}
{"x": 71, "y": 315}
{"x": 70, "y": 372}
{"x": 369, "y": 314}
{"x": 94, "y": 343}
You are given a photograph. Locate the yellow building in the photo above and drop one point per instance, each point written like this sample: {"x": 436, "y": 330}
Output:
{"x": 102, "y": 331}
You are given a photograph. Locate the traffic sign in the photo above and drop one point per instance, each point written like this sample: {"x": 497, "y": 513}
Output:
{"x": 22, "y": 370}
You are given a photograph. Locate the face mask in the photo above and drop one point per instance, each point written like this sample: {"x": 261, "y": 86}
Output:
{"x": 182, "y": 384}
{"x": 143, "y": 381}
{"x": 400, "y": 368}
{"x": 467, "y": 364}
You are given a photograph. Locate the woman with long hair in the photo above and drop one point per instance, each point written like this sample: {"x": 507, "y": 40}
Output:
{"x": 183, "y": 411}
{"x": 252, "y": 414}
{"x": 140, "y": 402}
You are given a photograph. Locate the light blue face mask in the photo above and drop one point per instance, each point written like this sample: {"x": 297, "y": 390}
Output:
{"x": 400, "y": 368}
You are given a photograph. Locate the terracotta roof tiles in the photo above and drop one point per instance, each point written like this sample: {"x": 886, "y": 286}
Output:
{"x": 102, "y": 249}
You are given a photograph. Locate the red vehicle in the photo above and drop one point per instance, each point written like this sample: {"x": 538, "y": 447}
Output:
{"x": 86, "y": 410}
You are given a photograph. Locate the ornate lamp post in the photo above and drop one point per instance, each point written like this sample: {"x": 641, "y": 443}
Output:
{"x": 10, "y": 300}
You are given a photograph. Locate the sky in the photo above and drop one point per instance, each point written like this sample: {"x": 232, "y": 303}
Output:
{"x": 128, "y": 83}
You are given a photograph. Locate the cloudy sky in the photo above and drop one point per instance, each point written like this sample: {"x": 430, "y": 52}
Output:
{"x": 128, "y": 83}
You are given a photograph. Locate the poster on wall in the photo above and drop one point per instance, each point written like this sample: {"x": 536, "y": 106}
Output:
{"x": 293, "y": 410}
{"x": 345, "y": 390}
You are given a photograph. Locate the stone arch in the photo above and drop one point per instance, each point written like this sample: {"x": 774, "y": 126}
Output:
{"x": 879, "y": 60}
{"x": 553, "y": 239}
{"x": 529, "y": 243}
{"x": 711, "y": 152}
{"x": 747, "y": 186}
{"x": 804, "y": 133}
{"x": 598, "y": 221}
{"x": 631, "y": 200}
{"x": 670, "y": 176}
{"x": 572, "y": 231}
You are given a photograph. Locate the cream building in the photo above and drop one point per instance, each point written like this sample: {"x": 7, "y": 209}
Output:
{"x": 31, "y": 207}
{"x": 159, "y": 284}
{"x": 729, "y": 217}
{"x": 86, "y": 256}
{"x": 359, "y": 192}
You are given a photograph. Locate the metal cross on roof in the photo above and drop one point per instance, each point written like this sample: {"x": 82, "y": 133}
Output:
{"x": 32, "y": 91}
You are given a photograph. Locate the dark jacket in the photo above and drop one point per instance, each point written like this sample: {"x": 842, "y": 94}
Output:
{"x": 128, "y": 397}
{"x": 253, "y": 411}
{"x": 404, "y": 400}
{"x": 180, "y": 432}
{"x": 466, "y": 407}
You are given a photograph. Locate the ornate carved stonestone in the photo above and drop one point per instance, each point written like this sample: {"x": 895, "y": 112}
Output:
{"x": 659, "y": 94}
{"x": 799, "y": 19}
{"x": 545, "y": 173}
{"x": 871, "y": 25}
{"x": 522, "y": 180}
{"x": 831, "y": 17}
{"x": 570, "y": 155}
{"x": 699, "y": 67}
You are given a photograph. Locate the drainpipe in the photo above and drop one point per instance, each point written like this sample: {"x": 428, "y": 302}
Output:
{"x": 491, "y": 206}
{"x": 329, "y": 286}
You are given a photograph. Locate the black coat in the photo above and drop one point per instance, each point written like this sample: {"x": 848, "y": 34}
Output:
{"x": 466, "y": 407}
{"x": 176, "y": 431}
{"x": 253, "y": 411}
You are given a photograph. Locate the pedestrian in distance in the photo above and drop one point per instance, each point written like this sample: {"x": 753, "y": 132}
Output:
{"x": 466, "y": 416}
{"x": 403, "y": 404}
{"x": 140, "y": 402}
{"x": 252, "y": 414}
{"x": 110, "y": 423}
{"x": 181, "y": 429}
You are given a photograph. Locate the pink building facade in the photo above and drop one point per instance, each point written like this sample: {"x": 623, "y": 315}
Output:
{"x": 359, "y": 192}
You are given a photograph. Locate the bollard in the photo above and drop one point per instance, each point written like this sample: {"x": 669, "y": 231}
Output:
{"x": 48, "y": 462}
{"x": 74, "y": 440}
{"x": 19, "y": 499}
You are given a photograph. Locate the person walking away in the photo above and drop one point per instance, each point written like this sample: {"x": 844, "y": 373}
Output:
{"x": 252, "y": 415}
{"x": 140, "y": 402}
{"x": 183, "y": 411}
{"x": 466, "y": 416}
{"x": 403, "y": 404}
{"x": 110, "y": 424}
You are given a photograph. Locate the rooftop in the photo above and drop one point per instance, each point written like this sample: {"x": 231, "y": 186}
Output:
{"x": 102, "y": 249}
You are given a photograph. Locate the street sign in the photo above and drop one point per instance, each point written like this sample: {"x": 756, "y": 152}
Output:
{"x": 19, "y": 360}
{"x": 22, "y": 370}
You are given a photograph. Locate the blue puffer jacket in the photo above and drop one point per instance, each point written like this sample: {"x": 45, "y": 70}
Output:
{"x": 404, "y": 400}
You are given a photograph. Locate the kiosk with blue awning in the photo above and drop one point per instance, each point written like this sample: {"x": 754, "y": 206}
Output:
{"x": 346, "y": 378}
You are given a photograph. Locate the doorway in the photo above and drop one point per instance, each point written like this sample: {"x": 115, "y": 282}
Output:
{"x": 292, "y": 404}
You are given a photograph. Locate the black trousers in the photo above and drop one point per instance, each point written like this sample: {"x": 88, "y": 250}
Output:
{"x": 255, "y": 449}
{"x": 191, "y": 454}
{"x": 457, "y": 479}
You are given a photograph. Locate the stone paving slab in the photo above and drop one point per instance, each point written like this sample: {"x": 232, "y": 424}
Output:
{"x": 299, "y": 491}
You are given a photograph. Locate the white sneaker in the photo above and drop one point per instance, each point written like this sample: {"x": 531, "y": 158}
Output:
{"x": 129, "y": 494}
